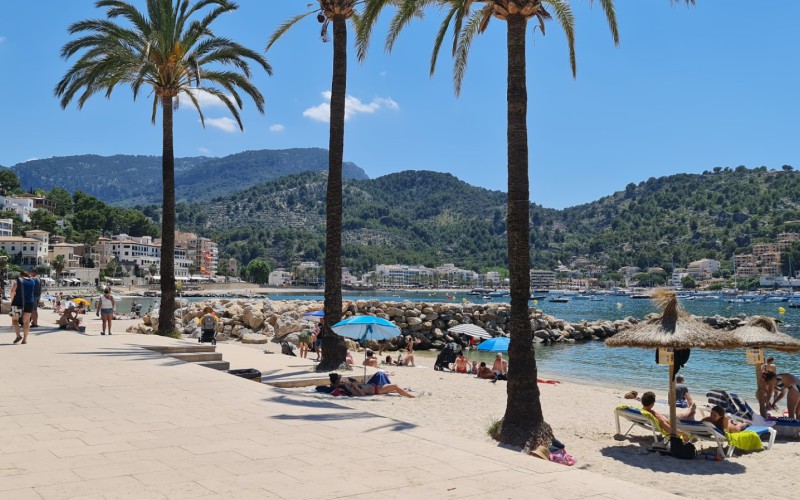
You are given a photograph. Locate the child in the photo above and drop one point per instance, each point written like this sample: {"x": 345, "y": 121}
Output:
{"x": 208, "y": 323}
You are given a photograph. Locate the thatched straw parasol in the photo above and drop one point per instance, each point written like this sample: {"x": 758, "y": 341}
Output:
{"x": 677, "y": 329}
{"x": 762, "y": 332}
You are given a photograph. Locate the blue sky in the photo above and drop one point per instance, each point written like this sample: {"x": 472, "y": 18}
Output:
{"x": 687, "y": 90}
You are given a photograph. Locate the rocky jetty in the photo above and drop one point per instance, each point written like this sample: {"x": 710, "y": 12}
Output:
{"x": 259, "y": 321}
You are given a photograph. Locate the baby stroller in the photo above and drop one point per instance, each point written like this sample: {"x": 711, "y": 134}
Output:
{"x": 446, "y": 356}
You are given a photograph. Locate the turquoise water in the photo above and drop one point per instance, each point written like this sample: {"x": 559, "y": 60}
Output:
{"x": 629, "y": 368}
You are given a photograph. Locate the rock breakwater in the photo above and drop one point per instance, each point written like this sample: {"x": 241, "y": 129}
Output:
{"x": 259, "y": 321}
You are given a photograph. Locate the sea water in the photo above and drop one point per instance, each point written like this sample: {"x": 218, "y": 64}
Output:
{"x": 592, "y": 361}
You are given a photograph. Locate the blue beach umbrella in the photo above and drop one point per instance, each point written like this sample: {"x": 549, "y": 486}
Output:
{"x": 497, "y": 344}
{"x": 363, "y": 328}
{"x": 314, "y": 315}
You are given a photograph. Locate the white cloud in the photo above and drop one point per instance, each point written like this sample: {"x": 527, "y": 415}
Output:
{"x": 2, "y": 39}
{"x": 225, "y": 124}
{"x": 206, "y": 100}
{"x": 383, "y": 73}
{"x": 203, "y": 151}
{"x": 277, "y": 128}
{"x": 31, "y": 159}
{"x": 352, "y": 106}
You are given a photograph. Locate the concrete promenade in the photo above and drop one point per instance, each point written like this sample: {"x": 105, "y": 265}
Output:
{"x": 85, "y": 416}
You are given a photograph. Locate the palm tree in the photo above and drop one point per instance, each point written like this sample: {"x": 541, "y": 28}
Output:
{"x": 523, "y": 423}
{"x": 165, "y": 50}
{"x": 337, "y": 12}
{"x": 59, "y": 263}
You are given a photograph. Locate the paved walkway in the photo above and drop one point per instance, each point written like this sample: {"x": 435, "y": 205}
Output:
{"x": 85, "y": 416}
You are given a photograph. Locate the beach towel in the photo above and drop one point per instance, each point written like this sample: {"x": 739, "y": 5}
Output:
{"x": 745, "y": 440}
{"x": 646, "y": 414}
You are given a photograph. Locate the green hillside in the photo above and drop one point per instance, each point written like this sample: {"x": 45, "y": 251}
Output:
{"x": 129, "y": 180}
{"x": 429, "y": 218}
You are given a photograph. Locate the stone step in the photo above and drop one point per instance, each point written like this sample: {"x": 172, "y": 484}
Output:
{"x": 216, "y": 365}
{"x": 171, "y": 349}
{"x": 194, "y": 357}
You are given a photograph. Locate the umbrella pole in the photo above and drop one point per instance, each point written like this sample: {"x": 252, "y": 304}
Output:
{"x": 673, "y": 412}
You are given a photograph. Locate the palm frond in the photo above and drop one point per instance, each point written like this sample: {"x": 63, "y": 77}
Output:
{"x": 437, "y": 43}
{"x": 408, "y": 10}
{"x": 366, "y": 22}
{"x": 472, "y": 28}
{"x": 611, "y": 17}
{"x": 285, "y": 26}
{"x": 565, "y": 17}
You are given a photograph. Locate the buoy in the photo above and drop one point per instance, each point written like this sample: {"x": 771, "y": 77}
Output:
{"x": 619, "y": 306}
{"x": 781, "y": 310}
{"x": 536, "y": 302}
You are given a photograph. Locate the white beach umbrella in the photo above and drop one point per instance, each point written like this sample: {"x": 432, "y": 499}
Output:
{"x": 471, "y": 331}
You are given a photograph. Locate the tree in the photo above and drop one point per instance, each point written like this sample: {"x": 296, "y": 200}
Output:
{"x": 688, "y": 282}
{"x": 223, "y": 269}
{"x": 175, "y": 56}
{"x": 192, "y": 270}
{"x": 338, "y": 12}
{"x": 111, "y": 268}
{"x": 523, "y": 423}
{"x": 258, "y": 270}
{"x": 62, "y": 200}
{"x": 44, "y": 220}
{"x": 153, "y": 269}
{"x": 59, "y": 263}
{"x": 9, "y": 182}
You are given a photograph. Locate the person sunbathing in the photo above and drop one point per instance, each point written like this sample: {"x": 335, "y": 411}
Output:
{"x": 722, "y": 422}
{"x": 370, "y": 359}
{"x": 649, "y": 399}
{"x": 460, "y": 364}
{"x": 500, "y": 365}
{"x": 485, "y": 372}
{"x": 352, "y": 388}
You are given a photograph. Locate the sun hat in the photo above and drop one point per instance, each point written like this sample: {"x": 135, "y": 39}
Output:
{"x": 542, "y": 452}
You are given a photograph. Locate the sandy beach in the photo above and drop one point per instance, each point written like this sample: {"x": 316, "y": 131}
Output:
{"x": 581, "y": 416}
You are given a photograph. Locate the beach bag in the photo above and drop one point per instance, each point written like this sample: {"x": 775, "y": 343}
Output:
{"x": 209, "y": 322}
{"x": 679, "y": 449}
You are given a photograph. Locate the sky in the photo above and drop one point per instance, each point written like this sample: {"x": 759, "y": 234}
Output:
{"x": 688, "y": 89}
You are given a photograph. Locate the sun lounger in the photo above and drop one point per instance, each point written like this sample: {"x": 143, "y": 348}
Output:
{"x": 641, "y": 418}
{"x": 741, "y": 410}
{"x": 707, "y": 431}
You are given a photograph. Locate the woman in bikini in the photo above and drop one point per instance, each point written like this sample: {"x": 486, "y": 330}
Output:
{"x": 769, "y": 372}
{"x": 357, "y": 389}
{"x": 722, "y": 422}
{"x": 789, "y": 386}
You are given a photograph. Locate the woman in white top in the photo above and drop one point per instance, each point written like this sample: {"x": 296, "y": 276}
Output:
{"x": 106, "y": 309}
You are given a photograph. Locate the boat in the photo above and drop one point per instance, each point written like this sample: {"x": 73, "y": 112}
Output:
{"x": 595, "y": 298}
{"x": 561, "y": 300}
{"x": 538, "y": 297}
{"x": 582, "y": 297}
{"x": 486, "y": 297}
{"x": 640, "y": 296}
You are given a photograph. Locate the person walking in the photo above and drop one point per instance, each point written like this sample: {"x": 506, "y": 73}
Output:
{"x": 106, "y": 311}
{"x": 37, "y": 297}
{"x": 22, "y": 305}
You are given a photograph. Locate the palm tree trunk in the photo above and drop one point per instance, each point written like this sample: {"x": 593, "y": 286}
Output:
{"x": 334, "y": 350}
{"x": 523, "y": 424}
{"x": 166, "y": 320}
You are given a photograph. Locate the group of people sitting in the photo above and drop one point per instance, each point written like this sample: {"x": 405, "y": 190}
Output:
{"x": 499, "y": 370}
{"x": 717, "y": 416}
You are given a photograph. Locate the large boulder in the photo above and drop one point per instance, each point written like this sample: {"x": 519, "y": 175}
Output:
{"x": 253, "y": 318}
{"x": 284, "y": 327}
{"x": 253, "y": 338}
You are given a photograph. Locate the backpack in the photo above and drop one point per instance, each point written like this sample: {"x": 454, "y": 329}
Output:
{"x": 209, "y": 322}
{"x": 679, "y": 449}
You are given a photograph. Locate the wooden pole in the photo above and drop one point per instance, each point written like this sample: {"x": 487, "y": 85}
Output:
{"x": 673, "y": 413}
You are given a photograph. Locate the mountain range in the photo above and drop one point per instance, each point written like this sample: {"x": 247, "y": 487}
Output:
{"x": 129, "y": 180}
{"x": 420, "y": 217}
